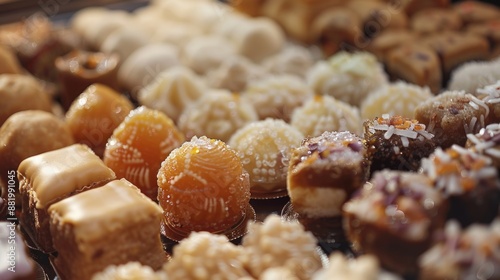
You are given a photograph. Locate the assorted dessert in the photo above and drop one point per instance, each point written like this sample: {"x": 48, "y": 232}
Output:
{"x": 133, "y": 131}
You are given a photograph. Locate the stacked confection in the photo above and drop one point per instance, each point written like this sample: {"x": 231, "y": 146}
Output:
{"x": 187, "y": 121}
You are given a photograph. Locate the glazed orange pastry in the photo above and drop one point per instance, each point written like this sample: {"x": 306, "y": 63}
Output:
{"x": 94, "y": 115}
{"x": 139, "y": 145}
{"x": 203, "y": 187}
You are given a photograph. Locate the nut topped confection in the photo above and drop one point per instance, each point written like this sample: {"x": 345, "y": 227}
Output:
{"x": 263, "y": 148}
{"x": 469, "y": 180}
{"x": 393, "y": 217}
{"x": 138, "y": 146}
{"x": 203, "y": 187}
{"x": 396, "y": 142}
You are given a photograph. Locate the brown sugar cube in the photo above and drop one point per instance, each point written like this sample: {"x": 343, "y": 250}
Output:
{"x": 476, "y": 11}
{"x": 334, "y": 28}
{"x": 434, "y": 20}
{"x": 388, "y": 40}
{"x": 455, "y": 48}
{"x": 111, "y": 225}
{"x": 47, "y": 178}
{"x": 451, "y": 115}
{"x": 416, "y": 64}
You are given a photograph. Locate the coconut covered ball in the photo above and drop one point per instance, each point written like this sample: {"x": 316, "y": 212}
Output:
{"x": 474, "y": 75}
{"x": 349, "y": 77}
{"x": 325, "y": 113}
{"x": 293, "y": 60}
{"x": 207, "y": 256}
{"x": 396, "y": 99}
{"x": 129, "y": 271}
{"x": 276, "y": 243}
{"x": 277, "y": 96}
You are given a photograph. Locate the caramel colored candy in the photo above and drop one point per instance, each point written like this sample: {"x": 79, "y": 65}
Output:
{"x": 139, "y": 145}
{"x": 203, "y": 187}
{"x": 94, "y": 115}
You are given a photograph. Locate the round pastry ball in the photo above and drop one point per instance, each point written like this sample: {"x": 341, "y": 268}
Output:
{"x": 206, "y": 53}
{"x": 138, "y": 146}
{"x": 124, "y": 41}
{"x": 396, "y": 99}
{"x": 144, "y": 64}
{"x": 28, "y": 133}
{"x": 324, "y": 113}
{"x": 217, "y": 114}
{"x": 235, "y": 73}
{"x": 19, "y": 93}
{"x": 293, "y": 60}
{"x": 94, "y": 115}
{"x": 349, "y": 77}
{"x": 264, "y": 148}
{"x": 474, "y": 75}
{"x": 277, "y": 96}
{"x": 172, "y": 91}
{"x": 203, "y": 187}
{"x": 10, "y": 64}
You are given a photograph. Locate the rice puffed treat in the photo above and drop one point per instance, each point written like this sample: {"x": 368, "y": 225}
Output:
{"x": 277, "y": 96}
{"x": 139, "y": 145}
{"x": 203, "y": 186}
{"x": 399, "y": 98}
{"x": 397, "y": 143}
{"x": 276, "y": 243}
{"x": 234, "y": 74}
{"x": 94, "y": 115}
{"x": 292, "y": 60}
{"x": 365, "y": 267}
{"x": 110, "y": 225}
{"x": 393, "y": 217}
{"x": 172, "y": 91}
{"x": 486, "y": 142}
{"x": 451, "y": 115}
{"x": 463, "y": 253}
{"x": 51, "y": 177}
{"x": 324, "y": 113}
{"x": 349, "y": 77}
{"x": 217, "y": 114}
{"x": 129, "y": 271}
{"x": 468, "y": 180}
{"x": 204, "y": 255}
{"x": 264, "y": 150}
{"x": 474, "y": 75}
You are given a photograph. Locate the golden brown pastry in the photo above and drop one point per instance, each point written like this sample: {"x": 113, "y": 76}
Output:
{"x": 10, "y": 64}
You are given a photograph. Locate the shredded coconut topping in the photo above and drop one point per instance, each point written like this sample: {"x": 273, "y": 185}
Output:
{"x": 403, "y": 127}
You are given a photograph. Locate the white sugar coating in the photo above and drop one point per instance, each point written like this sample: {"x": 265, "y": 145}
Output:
{"x": 365, "y": 267}
{"x": 396, "y": 99}
{"x": 206, "y": 53}
{"x": 129, "y": 271}
{"x": 277, "y": 243}
{"x": 325, "y": 113}
{"x": 217, "y": 114}
{"x": 264, "y": 147}
{"x": 293, "y": 60}
{"x": 347, "y": 77}
{"x": 234, "y": 74}
{"x": 277, "y": 96}
{"x": 175, "y": 33}
{"x": 207, "y": 256}
{"x": 470, "y": 253}
{"x": 145, "y": 63}
{"x": 475, "y": 75}
{"x": 172, "y": 91}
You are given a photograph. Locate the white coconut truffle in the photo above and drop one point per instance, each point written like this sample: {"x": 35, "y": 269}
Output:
{"x": 264, "y": 148}
{"x": 396, "y": 99}
{"x": 292, "y": 60}
{"x": 145, "y": 63}
{"x": 349, "y": 77}
{"x": 217, "y": 115}
{"x": 234, "y": 74}
{"x": 276, "y": 243}
{"x": 203, "y": 54}
{"x": 277, "y": 96}
{"x": 124, "y": 41}
{"x": 129, "y": 271}
{"x": 175, "y": 33}
{"x": 474, "y": 75}
{"x": 339, "y": 268}
{"x": 207, "y": 256}
{"x": 172, "y": 90}
{"x": 324, "y": 113}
